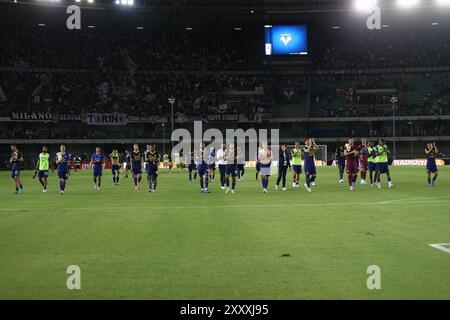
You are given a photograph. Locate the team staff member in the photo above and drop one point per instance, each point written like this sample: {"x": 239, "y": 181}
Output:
{"x": 283, "y": 165}
{"x": 339, "y": 157}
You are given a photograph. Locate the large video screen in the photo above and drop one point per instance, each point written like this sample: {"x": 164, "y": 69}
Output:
{"x": 286, "y": 40}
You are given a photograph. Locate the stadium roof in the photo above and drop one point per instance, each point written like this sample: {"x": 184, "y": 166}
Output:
{"x": 210, "y": 15}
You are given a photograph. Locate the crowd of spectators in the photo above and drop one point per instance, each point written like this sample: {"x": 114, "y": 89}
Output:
{"x": 89, "y": 50}
{"x": 344, "y": 97}
{"x": 139, "y": 95}
{"x": 385, "y": 51}
{"x": 136, "y": 74}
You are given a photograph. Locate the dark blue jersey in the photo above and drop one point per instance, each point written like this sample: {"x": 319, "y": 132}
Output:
{"x": 98, "y": 158}
{"x": 63, "y": 161}
{"x": 15, "y": 156}
{"x": 431, "y": 156}
{"x": 136, "y": 158}
{"x": 308, "y": 156}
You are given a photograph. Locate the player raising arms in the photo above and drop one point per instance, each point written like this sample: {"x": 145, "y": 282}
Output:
{"x": 339, "y": 157}
{"x": 203, "y": 168}
{"x": 231, "y": 169}
{"x": 152, "y": 162}
{"x": 432, "y": 152}
{"x": 363, "y": 159}
{"x": 265, "y": 157}
{"x": 372, "y": 161}
{"x": 296, "y": 155}
{"x": 115, "y": 166}
{"x": 283, "y": 165}
{"x": 382, "y": 164}
{"x": 16, "y": 161}
{"x": 97, "y": 162}
{"x": 309, "y": 151}
{"x": 136, "y": 160}
{"x": 63, "y": 163}
{"x": 42, "y": 167}
{"x": 351, "y": 154}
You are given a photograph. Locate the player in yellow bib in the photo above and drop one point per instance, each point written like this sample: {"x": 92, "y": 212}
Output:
{"x": 296, "y": 155}
{"x": 42, "y": 167}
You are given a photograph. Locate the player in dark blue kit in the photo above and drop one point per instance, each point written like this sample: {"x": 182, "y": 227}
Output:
{"x": 16, "y": 160}
{"x": 136, "y": 160}
{"x": 340, "y": 162}
{"x": 309, "y": 150}
{"x": 231, "y": 168}
{"x": 152, "y": 159}
{"x": 432, "y": 152}
{"x": 258, "y": 165}
{"x": 63, "y": 163}
{"x": 192, "y": 167}
{"x": 212, "y": 164}
{"x": 203, "y": 168}
{"x": 97, "y": 162}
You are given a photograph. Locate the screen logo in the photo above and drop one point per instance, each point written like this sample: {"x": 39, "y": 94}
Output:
{"x": 285, "y": 38}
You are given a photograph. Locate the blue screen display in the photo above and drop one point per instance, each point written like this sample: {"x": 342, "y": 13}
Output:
{"x": 286, "y": 40}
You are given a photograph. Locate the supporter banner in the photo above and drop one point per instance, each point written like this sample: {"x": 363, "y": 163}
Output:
{"x": 31, "y": 116}
{"x": 66, "y": 117}
{"x": 376, "y": 91}
{"x": 152, "y": 119}
{"x": 415, "y": 162}
{"x": 223, "y": 117}
{"x": 106, "y": 118}
{"x": 43, "y": 116}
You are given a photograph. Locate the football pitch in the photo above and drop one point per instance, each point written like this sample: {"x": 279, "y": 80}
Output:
{"x": 180, "y": 244}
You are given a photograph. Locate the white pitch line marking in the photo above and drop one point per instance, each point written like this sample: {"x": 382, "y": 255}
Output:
{"x": 441, "y": 246}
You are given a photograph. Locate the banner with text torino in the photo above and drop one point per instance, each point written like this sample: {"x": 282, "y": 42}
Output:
{"x": 106, "y": 119}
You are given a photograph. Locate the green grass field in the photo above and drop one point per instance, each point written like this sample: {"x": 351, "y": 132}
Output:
{"x": 181, "y": 244}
